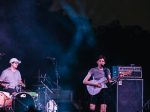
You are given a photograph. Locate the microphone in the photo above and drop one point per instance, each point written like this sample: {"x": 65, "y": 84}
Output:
{"x": 51, "y": 58}
{"x": 102, "y": 65}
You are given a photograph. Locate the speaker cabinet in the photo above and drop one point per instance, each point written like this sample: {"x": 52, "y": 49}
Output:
{"x": 129, "y": 95}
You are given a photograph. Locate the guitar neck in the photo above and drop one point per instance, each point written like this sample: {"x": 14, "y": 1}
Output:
{"x": 105, "y": 81}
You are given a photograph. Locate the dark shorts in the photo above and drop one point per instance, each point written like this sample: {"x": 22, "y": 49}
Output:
{"x": 101, "y": 98}
{"x": 10, "y": 90}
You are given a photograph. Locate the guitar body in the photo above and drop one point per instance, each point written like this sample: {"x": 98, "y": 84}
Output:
{"x": 92, "y": 90}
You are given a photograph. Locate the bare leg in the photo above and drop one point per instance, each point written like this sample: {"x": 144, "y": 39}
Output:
{"x": 92, "y": 107}
{"x": 103, "y": 107}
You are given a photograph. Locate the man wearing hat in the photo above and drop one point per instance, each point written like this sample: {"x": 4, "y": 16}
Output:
{"x": 11, "y": 77}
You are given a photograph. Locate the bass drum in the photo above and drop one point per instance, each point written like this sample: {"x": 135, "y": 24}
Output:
{"x": 23, "y": 102}
{"x": 5, "y": 99}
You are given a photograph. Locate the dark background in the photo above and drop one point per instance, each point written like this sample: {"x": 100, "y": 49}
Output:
{"x": 61, "y": 40}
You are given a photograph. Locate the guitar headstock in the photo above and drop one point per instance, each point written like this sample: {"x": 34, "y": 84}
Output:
{"x": 121, "y": 75}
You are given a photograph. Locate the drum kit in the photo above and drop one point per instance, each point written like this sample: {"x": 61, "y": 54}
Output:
{"x": 23, "y": 101}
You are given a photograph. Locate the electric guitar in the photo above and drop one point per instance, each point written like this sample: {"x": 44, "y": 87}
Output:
{"x": 93, "y": 90}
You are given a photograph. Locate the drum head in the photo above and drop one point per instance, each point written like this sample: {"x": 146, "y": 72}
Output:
{"x": 2, "y": 99}
{"x": 51, "y": 106}
{"x": 23, "y": 102}
{"x": 5, "y": 99}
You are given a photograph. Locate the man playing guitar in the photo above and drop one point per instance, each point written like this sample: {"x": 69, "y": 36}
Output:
{"x": 100, "y": 75}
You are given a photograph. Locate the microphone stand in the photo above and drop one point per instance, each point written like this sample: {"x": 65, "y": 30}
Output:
{"x": 57, "y": 80}
{"x": 54, "y": 61}
{"x": 57, "y": 75}
{"x": 56, "y": 72}
{"x": 45, "y": 93}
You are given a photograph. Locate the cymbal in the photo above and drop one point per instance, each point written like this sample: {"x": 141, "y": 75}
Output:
{"x": 4, "y": 82}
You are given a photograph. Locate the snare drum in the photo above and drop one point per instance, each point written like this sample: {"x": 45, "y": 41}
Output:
{"x": 22, "y": 102}
{"x": 5, "y": 99}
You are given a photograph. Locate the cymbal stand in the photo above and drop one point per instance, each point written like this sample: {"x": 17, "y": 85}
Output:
{"x": 45, "y": 93}
{"x": 57, "y": 79}
{"x": 46, "y": 87}
{"x": 56, "y": 72}
{"x": 57, "y": 75}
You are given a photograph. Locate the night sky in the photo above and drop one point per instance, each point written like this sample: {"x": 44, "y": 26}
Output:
{"x": 63, "y": 39}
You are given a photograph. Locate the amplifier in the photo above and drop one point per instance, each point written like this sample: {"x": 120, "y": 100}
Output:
{"x": 129, "y": 95}
{"x": 136, "y": 71}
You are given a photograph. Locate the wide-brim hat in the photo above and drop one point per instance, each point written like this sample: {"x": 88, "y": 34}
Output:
{"x": 14, "y": 60}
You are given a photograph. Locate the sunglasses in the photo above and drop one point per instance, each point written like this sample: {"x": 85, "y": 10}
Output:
{"x": 15, "y": 62}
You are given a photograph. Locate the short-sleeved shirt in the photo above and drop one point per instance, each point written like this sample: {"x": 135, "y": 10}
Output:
{"x": 97, "y": 74}
{"x": 12, "y": 77}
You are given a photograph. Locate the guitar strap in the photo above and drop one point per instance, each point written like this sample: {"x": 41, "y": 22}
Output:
{"x": 93, "y": 78}
{"x": 106, "y": 71}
